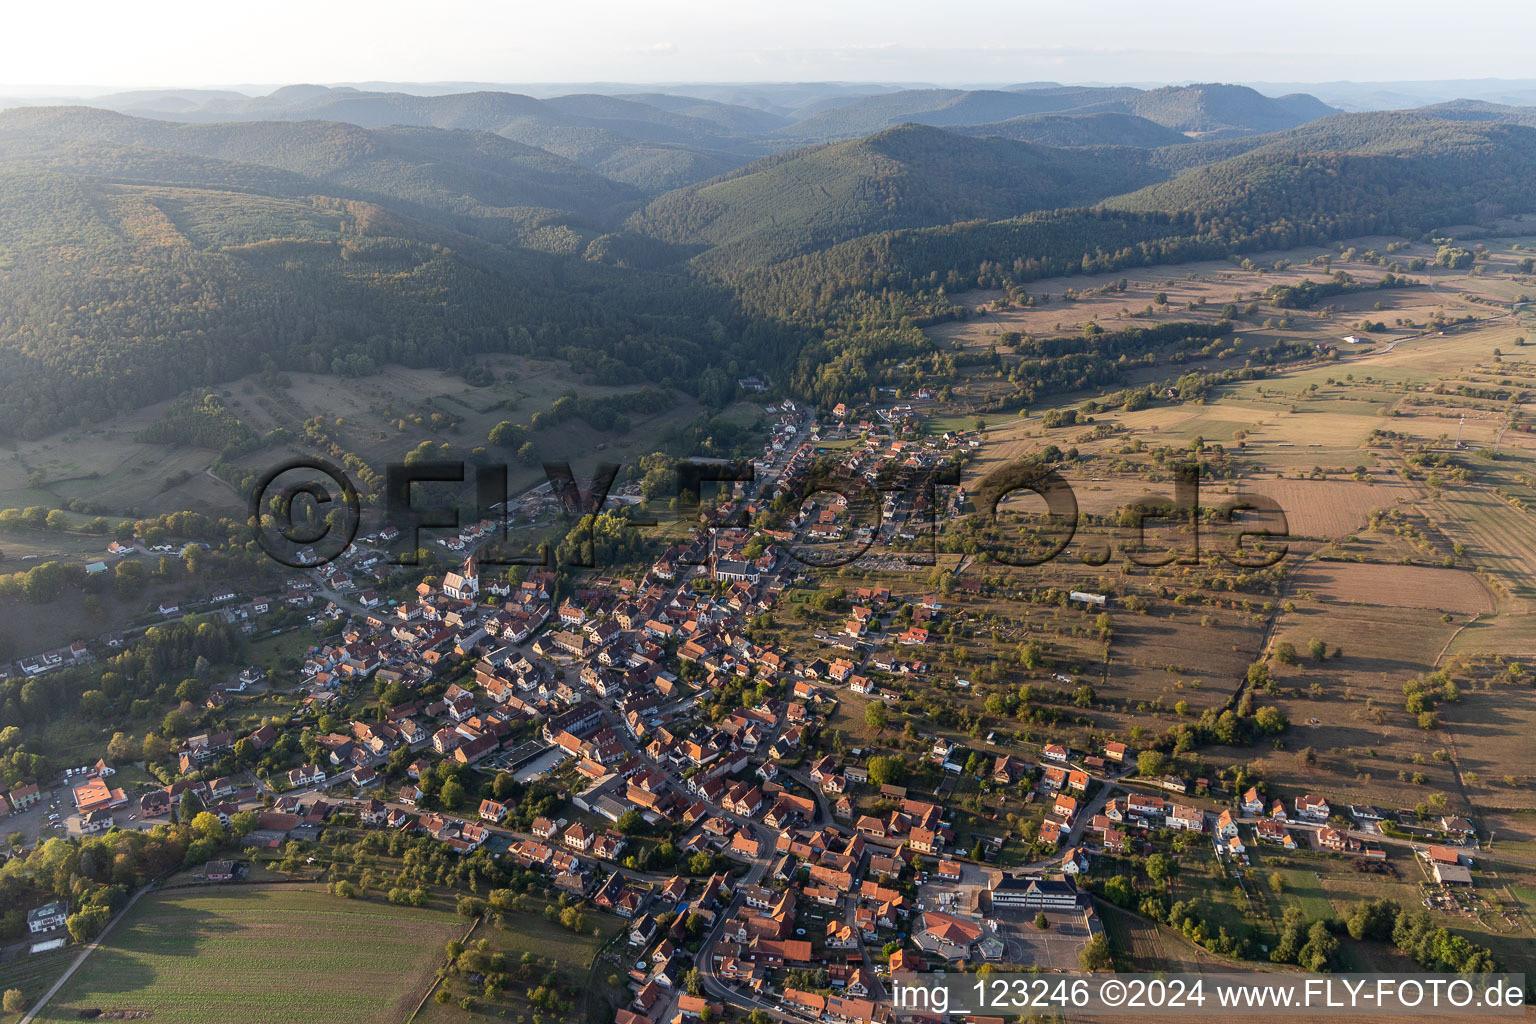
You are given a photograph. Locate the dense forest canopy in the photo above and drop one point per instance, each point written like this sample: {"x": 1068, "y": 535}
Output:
{"x": 140, "y": 257}
{"x": 118, "y": 295}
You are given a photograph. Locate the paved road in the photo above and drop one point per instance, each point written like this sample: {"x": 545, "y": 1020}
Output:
{"x": 1109, "y": 786}
{"x": 713, "y": 984}
{"x": 823, "y": 808}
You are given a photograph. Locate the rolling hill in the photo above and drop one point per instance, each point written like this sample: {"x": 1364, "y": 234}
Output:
{"x": 472, "y": 174}
{"x": 632, "y": 142}
{"x": 131, "y": 274}
{"x": 902, "y": 177}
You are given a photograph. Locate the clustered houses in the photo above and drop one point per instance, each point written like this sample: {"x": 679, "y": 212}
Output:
{"x": 1272, "y": 823}
{"x": 1309, "y": 813}
{"x": 915, "y": 822}
{"x": 409, "y": 644}
{"x": 598, "y": 677}
{"x": 888, "y": 446}
{"x": 1134, "y": 814}
{"x": 854, "y": 885}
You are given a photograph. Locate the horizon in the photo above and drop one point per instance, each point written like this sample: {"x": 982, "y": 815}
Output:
{"x": 256, "y": 89}
{"x": 1347, "y": 95}
{"x": 599, "y": 40}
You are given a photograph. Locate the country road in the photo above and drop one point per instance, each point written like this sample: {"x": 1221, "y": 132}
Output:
{"x": 30, "y": 1014}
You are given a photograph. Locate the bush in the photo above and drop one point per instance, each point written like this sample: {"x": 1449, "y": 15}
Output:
{"x": 85, "y": 924}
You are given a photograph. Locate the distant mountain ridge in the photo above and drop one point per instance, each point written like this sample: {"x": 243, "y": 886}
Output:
{"x": 194, "y": 249}
{"x": 1481, "y": 110}
{"x": 657, "y": 141}
{"x": 1192, "y": 108}
{"x": 635, "y": 143}
{"x": 1073, "y": 130}
{"x": 498, "y": 184}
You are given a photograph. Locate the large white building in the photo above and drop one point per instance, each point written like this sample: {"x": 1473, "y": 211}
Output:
{"x": 1035, "y": 893}
{"x": 463, "y": 585}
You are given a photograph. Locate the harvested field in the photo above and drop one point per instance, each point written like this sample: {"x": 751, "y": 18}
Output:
{"x": 1152, "y": 657}
{"x": 1511, "y": 633}
{"x": 1396, "y": 586}
{"x": 1375, "y": 640}
{"x": 1349, "y": 711}
{"x": 1322, "y": 509}
{"x": 1489, "y": 733}
{"x": 1499, "y": 538}
{"x": 1329, "y": 508}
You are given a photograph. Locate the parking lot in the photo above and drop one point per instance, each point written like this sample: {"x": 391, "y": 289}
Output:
{"x": 541, "y": 764}
{"x": 33, "y": 822}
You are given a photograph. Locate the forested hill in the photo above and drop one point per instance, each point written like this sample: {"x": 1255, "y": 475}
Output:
{"x": 121, "y": 291}
{"x": 1350, "y": 173}
{"x": 1395, "y": 172}
{"x": 474, "y": 175}
{"x": 138, "y": 257}
{"x": 903, "y": 177}
{"x": 1347, "y": 175}
{"x": 1103, "y": 129}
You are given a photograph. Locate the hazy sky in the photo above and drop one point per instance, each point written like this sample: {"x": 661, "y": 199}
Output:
{"x": 180, "y": 42}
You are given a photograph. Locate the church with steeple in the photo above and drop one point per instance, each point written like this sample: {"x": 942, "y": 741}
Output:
{"x": 463, "y": 585}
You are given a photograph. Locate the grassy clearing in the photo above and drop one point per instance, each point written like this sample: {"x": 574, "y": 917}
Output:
{"x": 1304, "y": 888}
{"x": 379, "y": 418}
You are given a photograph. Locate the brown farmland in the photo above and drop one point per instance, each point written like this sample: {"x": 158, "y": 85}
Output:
{"x": 1397, "y": 586}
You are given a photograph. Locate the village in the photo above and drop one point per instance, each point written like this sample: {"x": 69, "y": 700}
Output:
{"x": 642, "y": 711}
